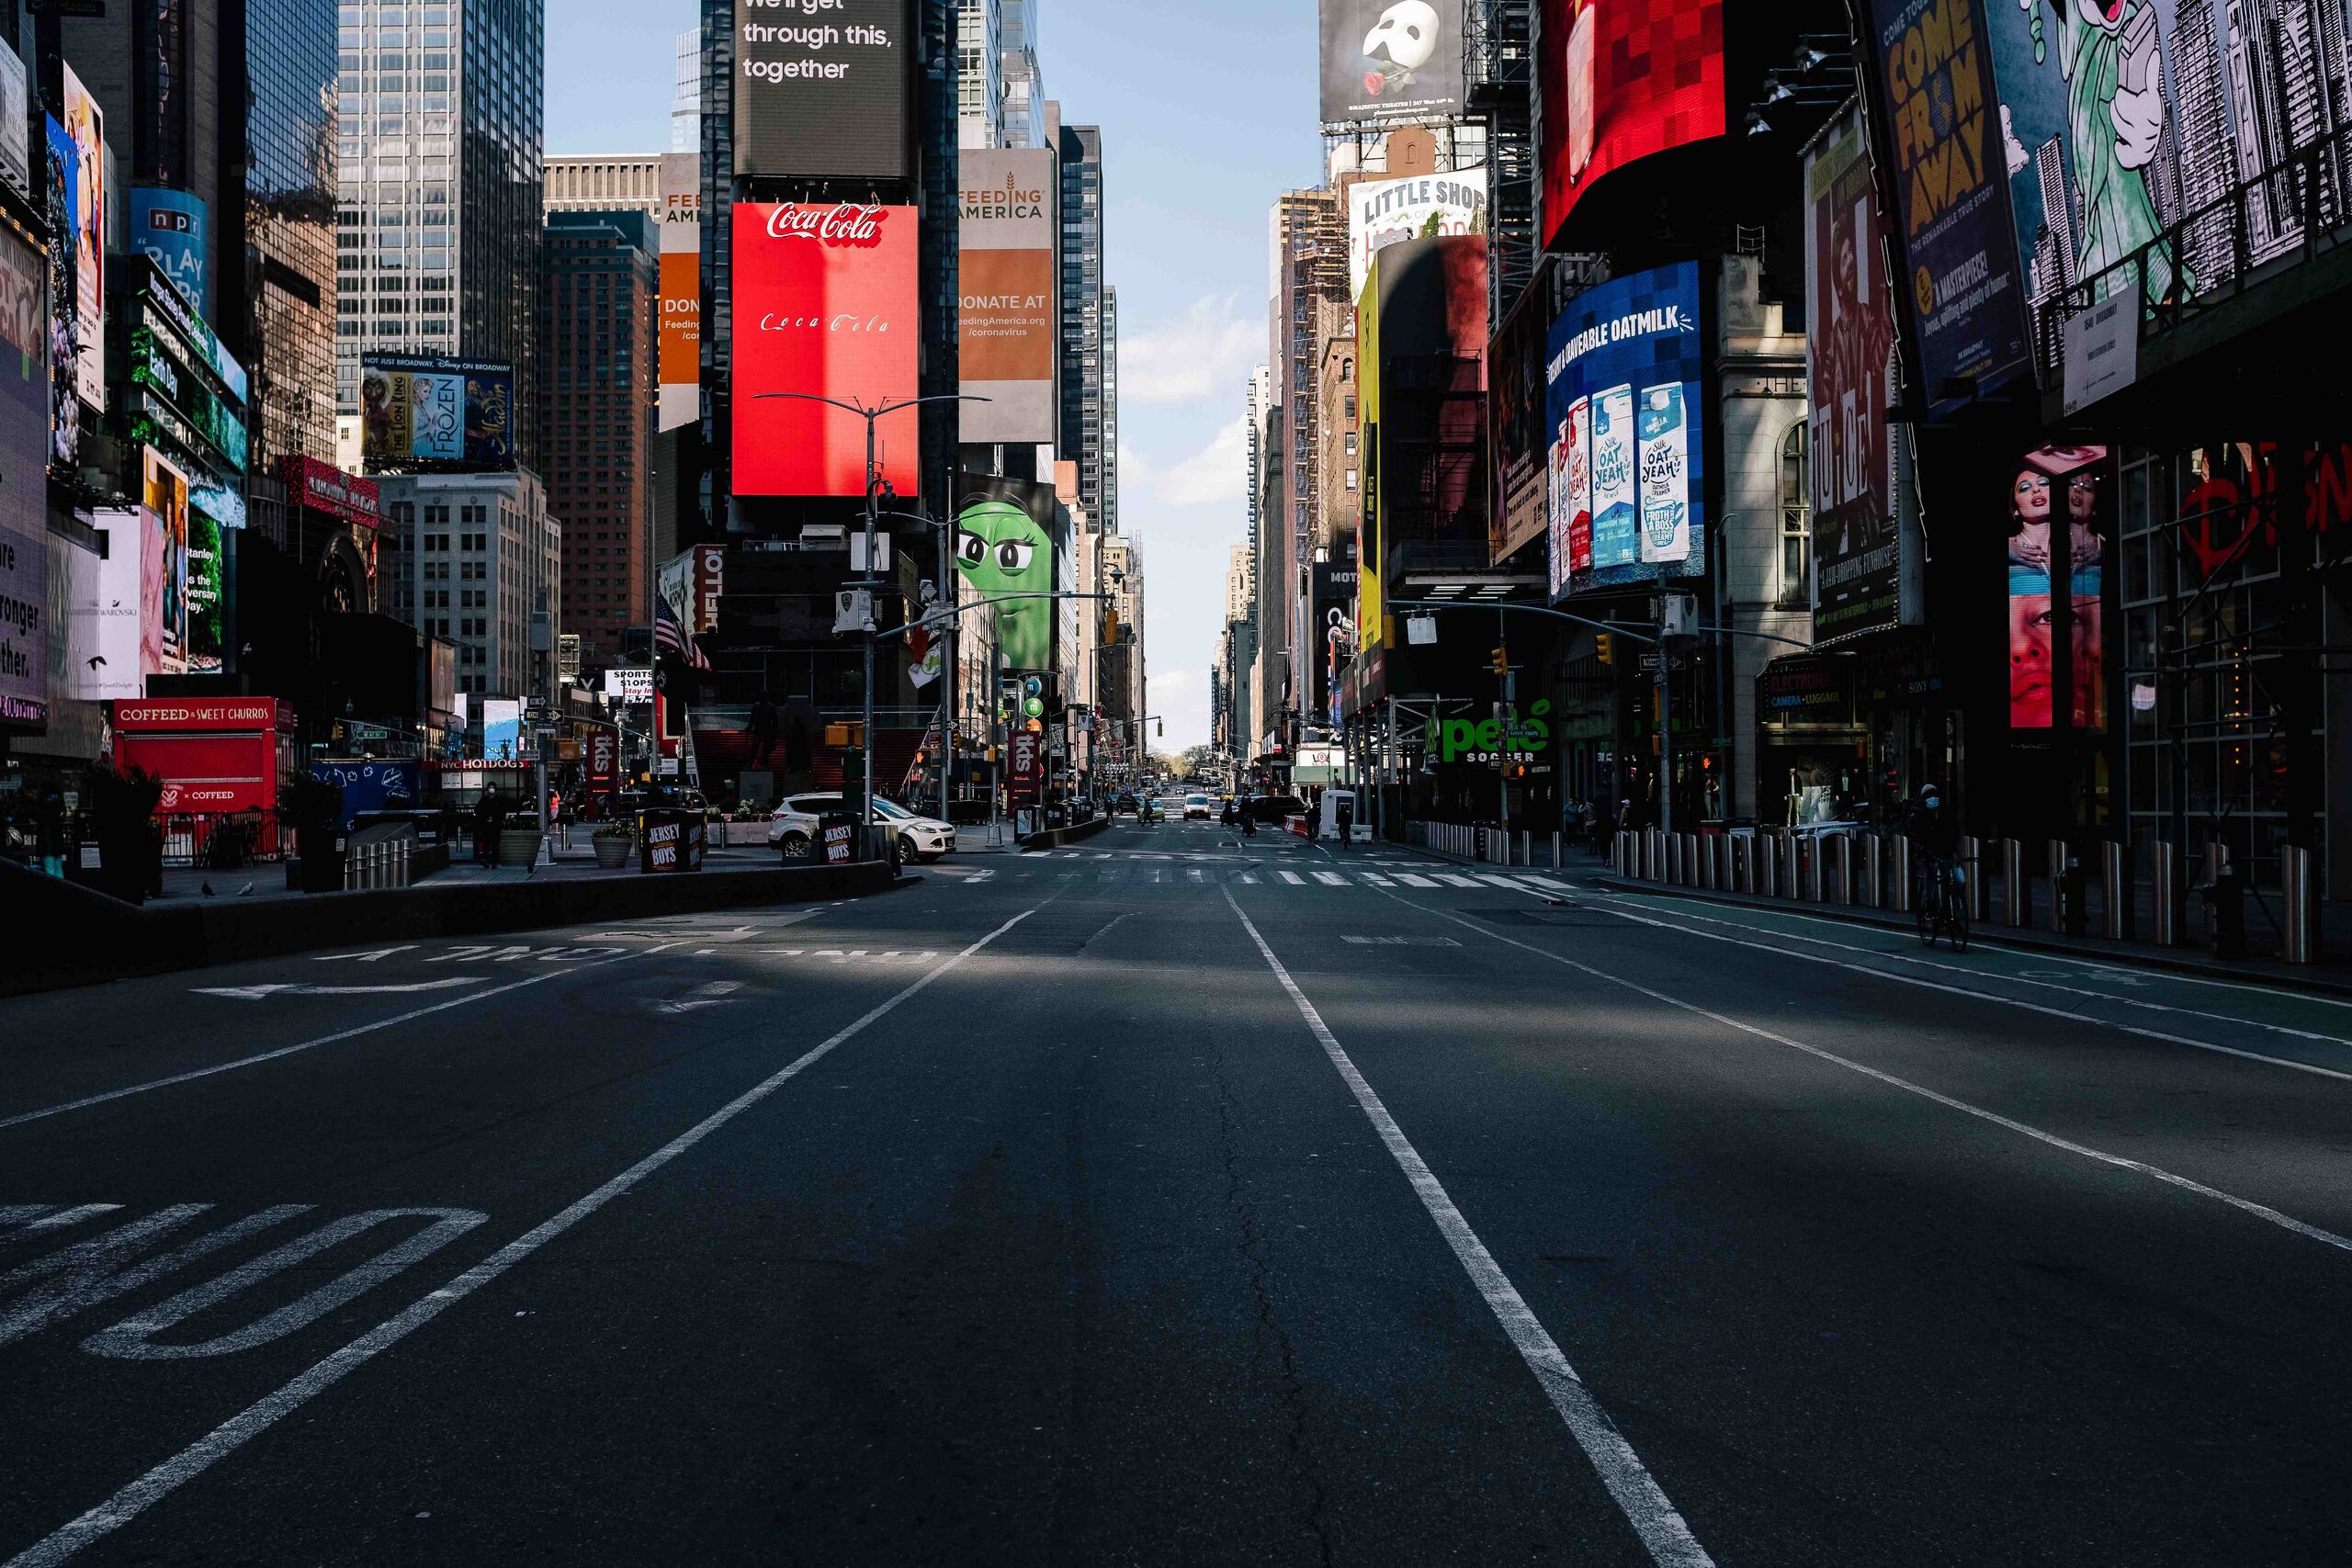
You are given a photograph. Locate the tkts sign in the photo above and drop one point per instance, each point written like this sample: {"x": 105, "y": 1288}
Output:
{"x": 825, "y": 306}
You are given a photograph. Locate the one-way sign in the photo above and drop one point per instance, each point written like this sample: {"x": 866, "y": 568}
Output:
{"x": 1649, "y": 662}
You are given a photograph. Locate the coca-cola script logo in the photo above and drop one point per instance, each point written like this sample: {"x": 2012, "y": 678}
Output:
{"x": 848, "y": 225}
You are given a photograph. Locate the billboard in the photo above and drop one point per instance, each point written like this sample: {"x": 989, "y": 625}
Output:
{"x": 171, "y": 228}
{"x": 129, "y": 636}
{"x": 418, "y": 411}
{"x": 371, "y": 784}
{"x": 325, "y": 488}
{"x": 1519, "y": 509}
{"x": 501, "y": 730}
{"x": 85, "y": 128}
{"x": 1382, "y": 212}
{"x": 215, "y": 755}
{"x": 163, "y": 487}
{"x": 1004, "y": 544}
{"x": 1951, "y": 211}
{"x": 1391, "y": 62}
{"x": 1332, "y": 638}
{"x": 1849, "y": 354}
{"x": 64, "y": 164}
{"x": 679, "y": 338}
{"x": 24, "y": 503}
{"x": 1622, "y": 79}
{"x": 16, "y": 125}
{"x": 824, "y": 94}
{"x": 826, "y": 305}
{"x": 1625, "y": 411}
{"x": 2061, "y": 522}
{"x": 1010, "y": 331}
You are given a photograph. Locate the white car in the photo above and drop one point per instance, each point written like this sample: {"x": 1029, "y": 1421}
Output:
{"x": 1196, "y": 806}
{"x": 794, "y": 827}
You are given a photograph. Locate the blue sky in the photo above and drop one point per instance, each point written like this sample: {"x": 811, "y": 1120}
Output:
{"x": 1197, "y": 142}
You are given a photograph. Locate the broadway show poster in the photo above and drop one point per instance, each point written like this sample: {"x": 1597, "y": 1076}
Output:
{"x": 1951, "y": 211}
{"x": 1515, "y": 412}
{"x": 2061, "y": 502}
{"x": 1004, "y": 545}
{"x": 1392, "y": 63}
{"x": 1848, "y": 353}
{"x": 24, "y": 500}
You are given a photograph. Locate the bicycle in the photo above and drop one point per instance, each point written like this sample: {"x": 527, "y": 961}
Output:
{"x": 1941, "y": 901}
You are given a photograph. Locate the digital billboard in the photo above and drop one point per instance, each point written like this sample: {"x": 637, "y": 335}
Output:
{"x": 1622, "y": 79}
{"x": 24, "y": 503}
{"x": 85, "y": 128}
{"x": 679, "y": 350}
{"x": 1625, "y": 414}
{"x": 16, "y": 125}
{"x": 1951, "y": 210}
{"x": 1011, "y": 327}
{"x": 171, "y": 227}
{"x": 1005, "y": 545}
{"x": 1519, "y": 491}
{"x": 825, "y": 305}
{"x": 421, "y": 411}
{"x": 1420, "y": 206}
{"x": 502, "y": 730}
{"x": 821, "y": 90}
{"x": 1848, "y": 353}
{"x": 64, "y": 162}
{"x": 1391, "y": 62}
{"x": 129, "y": 631}
{"x": 2061, "y": 503}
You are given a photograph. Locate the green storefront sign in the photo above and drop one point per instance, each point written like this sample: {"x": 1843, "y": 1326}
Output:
{"x": 1491, "y": 741}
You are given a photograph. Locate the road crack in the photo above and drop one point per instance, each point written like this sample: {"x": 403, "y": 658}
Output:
{"x": 1268, "y": 1331}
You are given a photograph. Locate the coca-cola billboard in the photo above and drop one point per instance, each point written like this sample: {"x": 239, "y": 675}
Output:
{"x": 821, "y": 89}
{"x": 826, "y": 305}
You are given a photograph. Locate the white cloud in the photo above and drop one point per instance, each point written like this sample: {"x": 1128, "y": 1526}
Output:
{"x": 1204, "y": 356}
{"x": 1213, "y": 476}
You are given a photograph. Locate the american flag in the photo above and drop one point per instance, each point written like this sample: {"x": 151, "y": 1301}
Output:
{"x": 667, "y": 634}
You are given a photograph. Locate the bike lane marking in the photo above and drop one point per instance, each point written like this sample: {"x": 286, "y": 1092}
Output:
{"x": 1663, "y": 1533}
{"x": 2119, "y": 1162}
{"x": 168, "y": 1477}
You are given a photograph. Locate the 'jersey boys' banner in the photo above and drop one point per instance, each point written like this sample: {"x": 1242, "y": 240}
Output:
{"x": 825, "y": 304}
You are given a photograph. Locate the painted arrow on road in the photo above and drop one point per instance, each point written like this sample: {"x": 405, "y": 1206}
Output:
{"x": 261, "y": 993}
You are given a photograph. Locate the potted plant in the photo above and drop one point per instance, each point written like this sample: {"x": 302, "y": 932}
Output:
{"x": 518, "y": 840}
{"x": 615, "y": 842}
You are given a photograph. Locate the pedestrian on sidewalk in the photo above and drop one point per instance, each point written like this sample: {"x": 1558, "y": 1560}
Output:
{"x": 763, "y": 726}
{"x": 1345, "y": 809}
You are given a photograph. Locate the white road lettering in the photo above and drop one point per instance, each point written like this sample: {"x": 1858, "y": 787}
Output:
{"x": 262, "y": 993}
{"x": 98, "y": 1278}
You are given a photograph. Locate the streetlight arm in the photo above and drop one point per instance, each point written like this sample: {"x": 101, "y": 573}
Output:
{"x": 1616, "y": 627}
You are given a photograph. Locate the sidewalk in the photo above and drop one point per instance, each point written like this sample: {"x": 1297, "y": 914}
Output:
{"x": 264, "y": 882}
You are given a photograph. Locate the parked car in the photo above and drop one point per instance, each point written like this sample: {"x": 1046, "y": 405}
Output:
{"x": 1275, "y": 807}
{"x": 794, "y": 827}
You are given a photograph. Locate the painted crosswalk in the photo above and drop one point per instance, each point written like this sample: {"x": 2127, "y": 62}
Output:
{"x": 1310, "y": 878}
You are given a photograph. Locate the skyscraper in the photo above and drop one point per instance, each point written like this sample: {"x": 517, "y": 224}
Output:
{"x": 1110, "y": 513}
{"x": 1083, "y": 420}
{"x": 595, "y": 184}
{"x": 685, "y": 94}
{"x": 1022, "y": 117}
{"x": 441, "y": 188}
{"x": 979, "y": 72}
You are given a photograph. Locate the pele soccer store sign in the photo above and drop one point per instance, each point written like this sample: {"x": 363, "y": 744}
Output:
{"x": 825, "y": 304}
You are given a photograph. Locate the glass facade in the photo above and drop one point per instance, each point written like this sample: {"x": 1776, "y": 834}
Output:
{"x": 291, "y": 82}
{"x": 1082, "y": 314}
{"x": 439, "y": 139}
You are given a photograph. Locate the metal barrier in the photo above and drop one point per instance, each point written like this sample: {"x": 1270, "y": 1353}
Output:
{"x": 2165, "y": 884}
{"x": 1842, "y": 853}
{"x": 1792, "y": 883}
{"x": 1974, "y": 879}
{"x": 2054, "y": 854}
{"x": 2014, "y": 903}
{"x": 1874, "y": 870}
{"x": 381, "y": 864}
{"x": 1899, "y": 882}
{"x": 2115, "y": 886}
{"x": 2300, "y": 941}
{"x": 1814, "y": 863}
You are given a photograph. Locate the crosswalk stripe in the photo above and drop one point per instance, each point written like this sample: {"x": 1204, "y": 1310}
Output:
{"x": 1450, "y": 880}
{"x": 1409, "y": 880}
{"x": 1331, "y": 878}
{"x": 1547, "y": 883}
{"x": 1248, "y": 879}
{"x": 1197, "y": 875}
{"x": 1499, "y": 881}
{"x": 1292, "y": 877}
{"x": 1374, "y": 878}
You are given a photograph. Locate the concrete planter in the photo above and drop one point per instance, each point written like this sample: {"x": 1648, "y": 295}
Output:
{"x": 614, "y": 853}
{"x": 518, "y": 846}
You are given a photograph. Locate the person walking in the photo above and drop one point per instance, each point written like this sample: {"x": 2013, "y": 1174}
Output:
{"x": 763, "y": 726}
{"x": 1344, "y": 810}
{"x": 488, "y": 817}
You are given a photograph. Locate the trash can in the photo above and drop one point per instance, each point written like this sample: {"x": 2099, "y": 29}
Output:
{"x": 2224, "y": 898}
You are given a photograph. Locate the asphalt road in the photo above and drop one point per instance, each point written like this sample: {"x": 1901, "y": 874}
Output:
{"x": 1177, "y": 1199}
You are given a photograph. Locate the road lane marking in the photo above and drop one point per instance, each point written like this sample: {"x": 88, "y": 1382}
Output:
{"x": 263, "y": 992}
{"x": 60, "y": 1219}
{"x": 1248, "y": 880}
{"x": 168, "y": 1477}
{"x": 1451, "y": 880}
{"x": 2119, "y": 1162}
{"x": 352, "y": 1034}
{"x": 90, "y": 1282}
{"x": 1409, "y": 880}
{"x": 1291, "y": 876}
{"x": 1332, "y": 879}
{"x": 1665, "y": 1536}
{"x": 2043, "y": 979}
{"x": 2072, "y": 1017}
{"x": 1374, "y": 877}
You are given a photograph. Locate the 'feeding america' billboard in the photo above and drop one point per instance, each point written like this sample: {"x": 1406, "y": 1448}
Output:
{"x": 825, "y": 306}
{"x": 1622, "y": 79}
{"x": 821, "y": 89}
{"x": 1010, "y": 329}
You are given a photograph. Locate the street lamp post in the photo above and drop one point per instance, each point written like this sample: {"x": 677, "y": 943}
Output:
{"x": 869, "y": 582}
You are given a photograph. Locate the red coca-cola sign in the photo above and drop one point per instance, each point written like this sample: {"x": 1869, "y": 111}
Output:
{"x": 846, "y": 224}
{"x": 826, "y": 305}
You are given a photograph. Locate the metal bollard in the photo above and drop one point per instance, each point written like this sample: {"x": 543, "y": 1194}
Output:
{"x": 1792, "y": 866}
{"x": 2013, "y": 905}
{"x": 2054, "y": 854}
{"x": 2300, "y": 938}
{"x": 2163, "y": 885}
{"x": 2115, "y": 884}
{"x": 1875, "y": 871}
{"x": 1974, "y": 879}
{"x": 1900, "y": 886}
{"x": 1674, "y": 859}
{"x": 1555, "y": 849}
{"x": 1841, "y": 855}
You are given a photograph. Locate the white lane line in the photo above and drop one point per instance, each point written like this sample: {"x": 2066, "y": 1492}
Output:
{"x": 1496, "y": 879}
{"x": 234, "y": 1433}
{"x": 1546, "y": 883}
{"x": 2245, "y": 1205}
{"x": 1409, "y": 880}
{"x": 1665, "y": 1536}
{"x": 1374, "y": 878}
{"x": 1330, "y": 879}
{"x": 1248, "y": 880}
{"x": 1291, "y": 876}
{"x": 152, "y": 1084}
{"x": 1450, "y": 880}
{"x": 1989, "y": 974}
{"x": 1994, "y": 996}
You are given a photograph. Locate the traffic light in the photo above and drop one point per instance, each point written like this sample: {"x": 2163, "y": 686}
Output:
{"x": 1502, "y": 662}
{"x": 1601, "y": 648}
{"x": 1109, "y": 628}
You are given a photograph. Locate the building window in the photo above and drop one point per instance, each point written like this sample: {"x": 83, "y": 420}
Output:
{"x": 1797, "y": 520}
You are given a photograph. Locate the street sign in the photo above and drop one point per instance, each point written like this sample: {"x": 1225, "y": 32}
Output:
{"x": 1649, "y": 662}
{"x": 1420, "y": 630}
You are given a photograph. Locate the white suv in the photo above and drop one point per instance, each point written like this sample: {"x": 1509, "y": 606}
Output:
{"x": 794, "y": 827}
